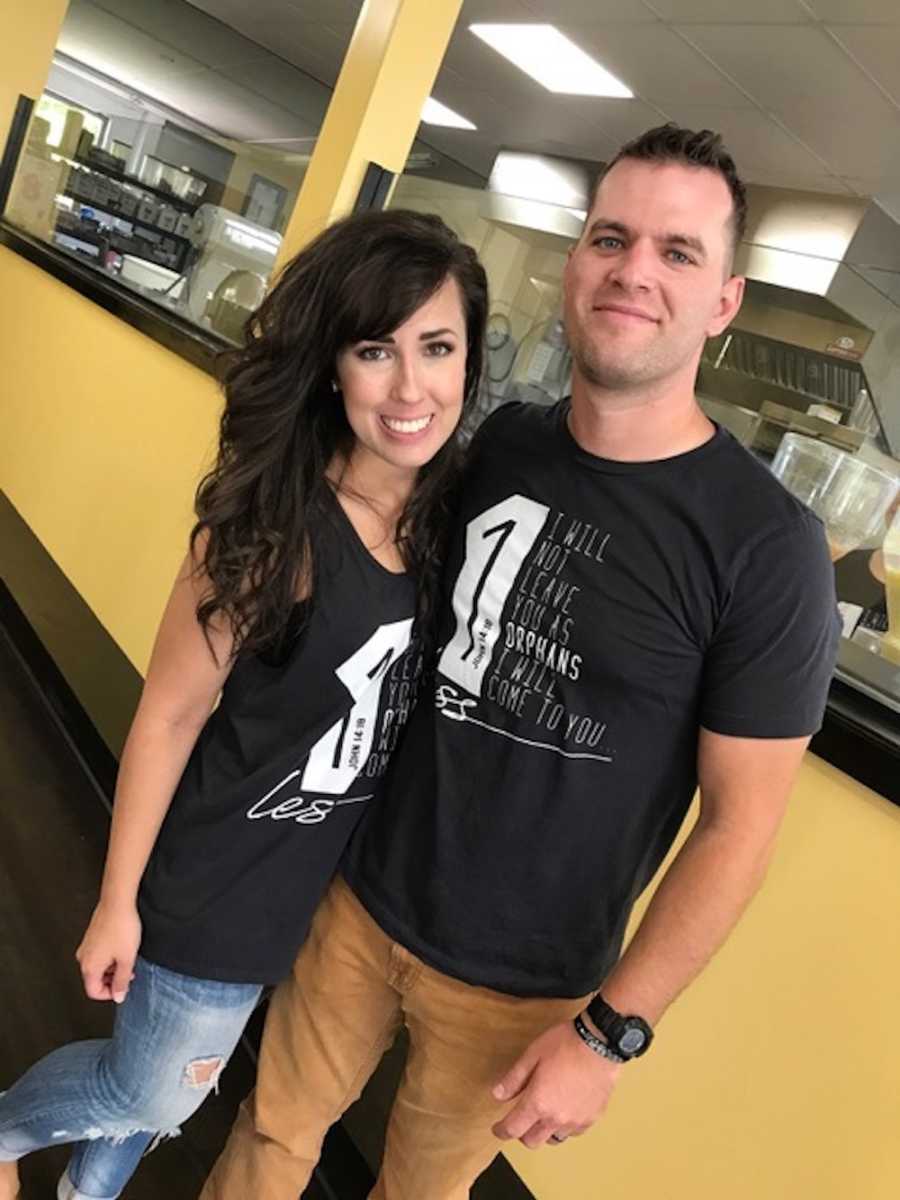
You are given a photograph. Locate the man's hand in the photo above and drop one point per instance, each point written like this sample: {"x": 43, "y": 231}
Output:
{"x": 562, "y": 1087}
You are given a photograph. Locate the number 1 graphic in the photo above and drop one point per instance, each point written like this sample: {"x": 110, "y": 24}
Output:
{"x": 375, "y": 673}
{"x": 497, "y": 543}
{"x": 333, "y": 764}
{"x": 504, "y": 530}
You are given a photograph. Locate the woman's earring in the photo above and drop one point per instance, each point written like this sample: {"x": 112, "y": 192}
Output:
{"x": 335, "y": 386}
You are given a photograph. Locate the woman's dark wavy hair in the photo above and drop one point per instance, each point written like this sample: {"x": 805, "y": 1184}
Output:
{"x": 261, "y": 509}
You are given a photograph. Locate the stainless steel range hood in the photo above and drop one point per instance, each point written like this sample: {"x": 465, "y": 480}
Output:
{"x": 824, "y": 280}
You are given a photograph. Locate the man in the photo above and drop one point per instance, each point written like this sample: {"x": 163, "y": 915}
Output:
{"x": 637, "y": 605}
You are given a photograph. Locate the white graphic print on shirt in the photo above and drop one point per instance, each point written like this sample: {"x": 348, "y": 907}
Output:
{"x": 516, "y": 555}
{"x": 346, "y": 749}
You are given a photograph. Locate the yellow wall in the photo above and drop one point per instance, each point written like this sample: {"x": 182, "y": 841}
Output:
{"x": 390, "y": 65}
{"x": 29, "y": 36}
{"x": 102, "y": 436}
{"x": 777, "y": 1076}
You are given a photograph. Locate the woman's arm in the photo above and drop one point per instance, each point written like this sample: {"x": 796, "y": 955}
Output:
{"x": 183, "y": 682}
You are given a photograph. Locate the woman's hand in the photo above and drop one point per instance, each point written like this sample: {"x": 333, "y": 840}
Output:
{"x": 108, "y": 950}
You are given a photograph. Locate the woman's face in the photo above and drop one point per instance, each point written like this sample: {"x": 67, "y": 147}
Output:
{"x": 403, "y": 395}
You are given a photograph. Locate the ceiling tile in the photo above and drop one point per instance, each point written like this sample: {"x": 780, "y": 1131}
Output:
{"x": 889, "y": 200}
{"x": 475, "y": 152}
{"x": 877, "y": 50}
{"x": 855, "y": 140}
{"x": 656, "y": 63}
{"x": 801, "y": 181}
{"x": 118, "y": 49}
{"x": 617, "y": 120}
{"x": 494, "y": 11}
{"x": 727, "y": 12}
{"x": 857, "y": 12}
{"x": 557, "y": 12}
{"x": 872, "y": 185}
{"x": 602, "y": 150}
{"x": 170, "y": 23}
{"x": 282, "y": 85}
{"x": 781, "y": 66}
{"x": 595, "y": 137}
{"x": 755, "y": 140}
{"x": 477, "y": 105}
{"x": 234, "y": 111}
{"x": 233, "y": 11}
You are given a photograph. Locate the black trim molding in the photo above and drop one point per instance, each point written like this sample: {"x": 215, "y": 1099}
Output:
{"x": 66, "y": 709}
{"x": 14, "y": 144}
{"x": 376, "y": 185}
{"x": 170, "y": 330}
{"x": 861, "y": 737}
{"x": 88, "y": 682}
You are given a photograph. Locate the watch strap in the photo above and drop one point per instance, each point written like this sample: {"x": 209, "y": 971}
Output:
{"x": 596, "y": 1044}
{"x": 607, "y": 1020}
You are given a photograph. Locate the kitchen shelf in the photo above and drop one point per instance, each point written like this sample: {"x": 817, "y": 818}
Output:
{"x": 120, "y": 216}
{"x": 172, "y": 198}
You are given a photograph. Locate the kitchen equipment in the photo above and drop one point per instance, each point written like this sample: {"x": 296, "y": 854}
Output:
{"x": 148, "y": 276}
{"x": 148, "y": 210}
{"x": 238, "y": 295}
{"x": 162, "y": 175}
{"x": 224, "y": 242}
{"x": 850, "y": 496}
{"x": 778, "y": 419}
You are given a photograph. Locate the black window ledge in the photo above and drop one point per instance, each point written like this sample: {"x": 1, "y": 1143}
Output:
{"x": 861, "y": 737}
{"x": 197, "y": 346}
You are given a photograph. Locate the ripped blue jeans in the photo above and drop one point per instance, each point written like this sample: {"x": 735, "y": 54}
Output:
{"x": 173, "y": 1035}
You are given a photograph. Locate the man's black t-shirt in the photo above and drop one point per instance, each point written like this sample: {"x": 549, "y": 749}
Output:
{"x": 598, "y": 614}
{"x": 281, "y": 775}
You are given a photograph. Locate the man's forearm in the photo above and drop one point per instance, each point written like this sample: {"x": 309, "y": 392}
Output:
{"x": 697, "y": 904}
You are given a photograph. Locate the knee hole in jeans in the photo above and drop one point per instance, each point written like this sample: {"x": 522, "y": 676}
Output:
{"x": 204, "y": 1072}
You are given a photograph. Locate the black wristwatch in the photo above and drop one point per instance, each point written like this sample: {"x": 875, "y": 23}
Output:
{"x": 629, "y": 1037}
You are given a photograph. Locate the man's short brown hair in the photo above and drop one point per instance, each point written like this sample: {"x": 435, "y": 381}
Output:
{"x": 692, "y": 148}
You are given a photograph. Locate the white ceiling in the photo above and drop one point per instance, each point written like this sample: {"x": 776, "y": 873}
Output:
{"x": 806, "y": 92}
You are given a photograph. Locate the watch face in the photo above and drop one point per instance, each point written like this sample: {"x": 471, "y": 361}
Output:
{"x": 632, "y": 1041}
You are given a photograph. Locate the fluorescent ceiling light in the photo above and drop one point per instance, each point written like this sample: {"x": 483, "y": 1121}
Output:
{"x": 545, "y": 54}
{"x": 435, "y": 113}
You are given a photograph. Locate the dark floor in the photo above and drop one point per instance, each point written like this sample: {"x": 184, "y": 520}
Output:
{"x": 52, "y": 838}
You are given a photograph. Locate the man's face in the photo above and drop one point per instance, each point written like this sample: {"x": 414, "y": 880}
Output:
{"x": 649, "y": 280}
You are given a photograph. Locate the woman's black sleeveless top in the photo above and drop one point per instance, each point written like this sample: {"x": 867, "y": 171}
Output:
{"x": 282, "y": 773}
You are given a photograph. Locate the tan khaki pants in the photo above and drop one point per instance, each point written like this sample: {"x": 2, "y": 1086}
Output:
{"x": 327, "y": 1028}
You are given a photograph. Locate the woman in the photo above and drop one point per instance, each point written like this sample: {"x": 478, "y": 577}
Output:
{"x": 303, "y": 601}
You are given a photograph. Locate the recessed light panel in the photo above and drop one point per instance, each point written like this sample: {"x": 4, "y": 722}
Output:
{"x": 435, "y": 113}
{"x": 548, "y": 56}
